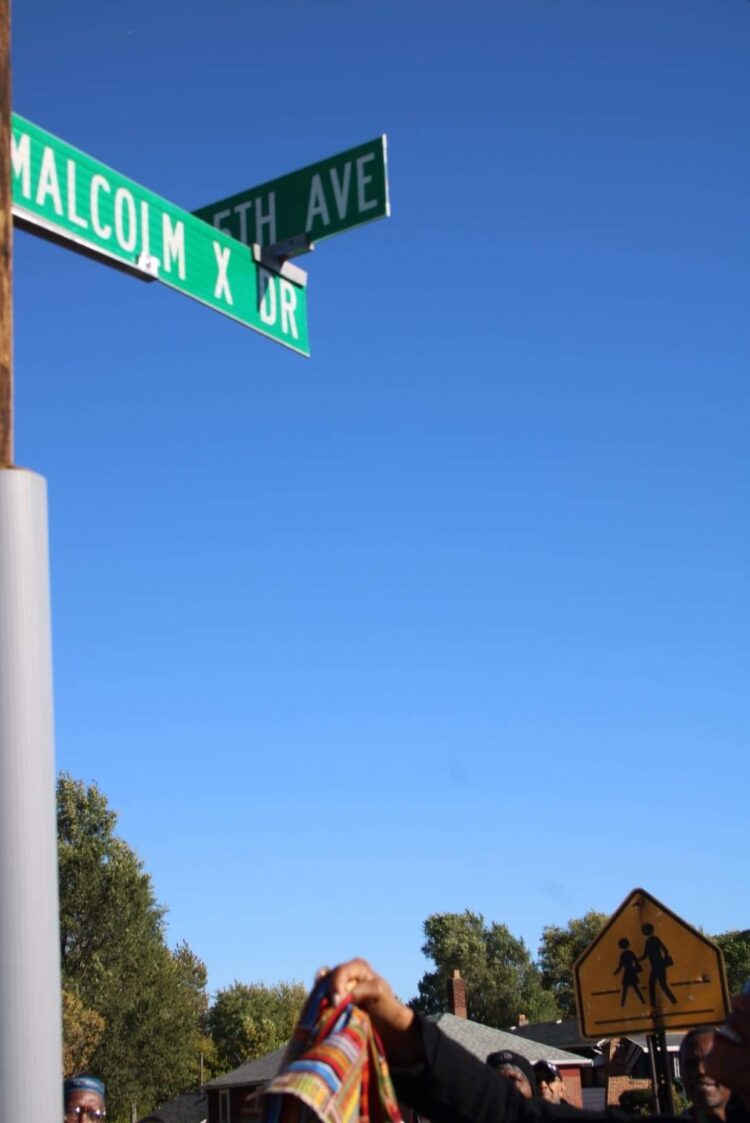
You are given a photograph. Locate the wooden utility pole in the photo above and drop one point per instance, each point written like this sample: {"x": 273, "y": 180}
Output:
{"x": 6, "y": 247}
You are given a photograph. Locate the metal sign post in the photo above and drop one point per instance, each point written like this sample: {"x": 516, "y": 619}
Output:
{"x": 30, "y": 1004}
{"x": 661, "y": 1072}
{"x": 6, "y": 247}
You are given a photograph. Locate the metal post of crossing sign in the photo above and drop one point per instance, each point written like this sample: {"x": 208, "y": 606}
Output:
{"x": 311, "y": 204}
{"x": 648, "y": 971}
{"x": 662, "y": 1075}
{"x": 63, "y": 193}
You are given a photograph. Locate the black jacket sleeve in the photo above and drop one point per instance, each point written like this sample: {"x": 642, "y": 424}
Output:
{"x": 452, "y": 1086}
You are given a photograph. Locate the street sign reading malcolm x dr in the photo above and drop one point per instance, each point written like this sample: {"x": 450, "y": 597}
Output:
{"x": 63, "y": 193}
{"x": 646, "y": 971}
{"x": 322, "y": 199}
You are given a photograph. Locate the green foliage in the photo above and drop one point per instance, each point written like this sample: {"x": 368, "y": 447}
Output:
{"x": 680, "y": 1100}
{"x": 558, "y": 950}
{"x": 637, "y": 1101}
{"x": 248, "y": 1020}
{"x": 116, "y": 963}
{"x": 83, "y": 1029}
{"x": 501, "y": 980}
{"x": 735, "y": 947}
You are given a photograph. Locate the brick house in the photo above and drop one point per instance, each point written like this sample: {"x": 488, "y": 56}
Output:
{"x": 226, "y": 1094}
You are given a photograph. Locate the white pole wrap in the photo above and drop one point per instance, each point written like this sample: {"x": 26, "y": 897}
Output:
{"x": 30, "y": 1018}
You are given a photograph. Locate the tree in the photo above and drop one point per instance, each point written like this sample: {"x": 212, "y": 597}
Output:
{"x": 83, "y": 1029}
{"x": 501, "y": 979}
{"x": 116, "y": 963}
{"x": 558, "y": 951}
{"x": 735, "y": 947}
{"x": 192, "y": 972}
{"x": 248, "y": 1020}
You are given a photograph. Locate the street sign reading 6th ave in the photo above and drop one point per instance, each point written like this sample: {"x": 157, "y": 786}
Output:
{"x": 60, "y": 191}
{"x": 322, "y": 199}
{"x": 646, "y": 971}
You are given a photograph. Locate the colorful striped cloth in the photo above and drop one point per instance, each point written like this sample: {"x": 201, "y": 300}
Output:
{"x": 334, "y": 1069}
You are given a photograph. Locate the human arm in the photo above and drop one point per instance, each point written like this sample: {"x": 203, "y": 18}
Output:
{"x": 431, "y": 1073}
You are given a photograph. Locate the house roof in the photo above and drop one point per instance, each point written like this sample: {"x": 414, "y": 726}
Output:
{"x": 562, "y": 1034}
{"x": 188, "y": 1107}
{"x": 251, "y": 1072}
{"x": 482, "y": 1040}
{"x": 477, "y": 1038}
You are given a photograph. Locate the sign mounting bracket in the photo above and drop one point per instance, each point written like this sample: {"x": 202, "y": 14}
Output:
{"x": 276, "y": 257}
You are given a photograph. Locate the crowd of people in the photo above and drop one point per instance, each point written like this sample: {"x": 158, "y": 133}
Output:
{"x": 443, "y": 1083}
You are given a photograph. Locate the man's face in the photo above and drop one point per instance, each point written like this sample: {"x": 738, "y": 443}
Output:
{"x": 729, "y": 1060}
{"x": 702, "y": 1090}
{"x": 550, "y": 1087}
{"x": 510, "y": 1072}
{"x": 84, "y": 1106}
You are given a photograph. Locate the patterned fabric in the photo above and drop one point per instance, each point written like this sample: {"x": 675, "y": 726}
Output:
{"x": 334, "y": 1069}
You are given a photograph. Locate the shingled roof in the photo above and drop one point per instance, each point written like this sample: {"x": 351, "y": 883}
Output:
{"x": 482, "y": 1040}
{"x": 477, "y": 1038}
{"x": 565, "y": 1035}
{"x": 189, "y": 1107}
{"x": 562, "y": 1035}
{"x": 251, "y": 1072}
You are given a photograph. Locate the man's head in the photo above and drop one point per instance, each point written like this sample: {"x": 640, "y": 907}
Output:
{"x": 549, "y": 1082}
{"x": 701, "y": 1089}
{"x": 83, "y": 1097}
{"x": 729, "y": 1060}
{"x": 512, "y": 1066}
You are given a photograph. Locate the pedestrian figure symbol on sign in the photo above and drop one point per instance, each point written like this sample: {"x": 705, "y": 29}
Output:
{"x": 660, "y": 959}
{"x": 631, "y": 969}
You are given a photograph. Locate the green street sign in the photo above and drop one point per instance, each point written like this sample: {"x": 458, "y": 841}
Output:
{"x": 60, "y": 192}
{"x": 323, "y": 199}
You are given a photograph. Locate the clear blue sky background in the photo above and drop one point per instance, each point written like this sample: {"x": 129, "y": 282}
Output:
{"x": 454, "y": 614}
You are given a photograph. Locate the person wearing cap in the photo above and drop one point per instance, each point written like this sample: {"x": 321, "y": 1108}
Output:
{"x": 549, "y": 1082}
{"x": 83, "y": 1099}
{"x": 512, "y": 1066}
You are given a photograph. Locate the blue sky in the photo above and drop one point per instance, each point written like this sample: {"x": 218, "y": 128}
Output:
{"x": 453, "y": 614}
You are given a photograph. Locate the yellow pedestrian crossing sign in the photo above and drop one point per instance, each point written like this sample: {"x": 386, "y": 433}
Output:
{"x": 648, "y": 970}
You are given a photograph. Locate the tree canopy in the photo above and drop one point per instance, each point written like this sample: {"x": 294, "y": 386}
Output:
{"x": 501, "y": 980}
{"x": 248, "y": 1020}
{"x": 558, "y": 950}
{"x": 134, "y": 1010}
{"x": 735, "y": 947}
